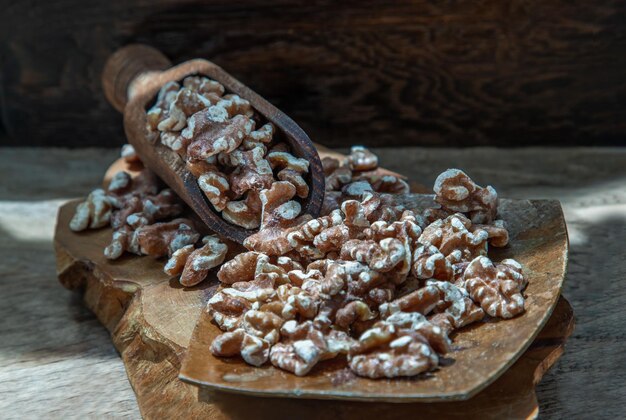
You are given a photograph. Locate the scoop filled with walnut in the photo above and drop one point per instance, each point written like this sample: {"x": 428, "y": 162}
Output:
{"x": 231, "y": 150}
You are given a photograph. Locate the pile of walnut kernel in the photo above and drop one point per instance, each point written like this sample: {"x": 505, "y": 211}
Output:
{"x": 378, "y": 284}
{"x": 371, "y": 281}
{"x": 227, "y": 148}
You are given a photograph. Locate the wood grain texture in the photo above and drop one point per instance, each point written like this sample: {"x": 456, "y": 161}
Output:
{"x": 411, "y": 72}
{"x": 57, "y": 361}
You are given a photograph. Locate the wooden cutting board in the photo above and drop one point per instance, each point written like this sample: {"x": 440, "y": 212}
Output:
{"x": 151, "y": 319}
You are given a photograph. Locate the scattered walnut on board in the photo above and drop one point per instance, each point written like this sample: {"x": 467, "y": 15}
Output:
{"x": 497, "y": 288}
{"x": 129, "y": 154}
{"x": 358, "y": 174}
{"x": 93, "y": 213}
{"x": 164, "y": 238}
{"x": 176, "y": 263}
{"x": 227, "y": 310}
{"x": 455, "y": 308}
{"x": 253, "y": 350}
{"x": 454, "y": 239}
{"x": 305, "y": 344}
{"x": 361, "y": 159}
{"x": 389, "y": 184}
{"x": 404, "y": 344}
{"x": 336, "y": 176}
{"x": 455, "y": 191}
{"x": 197, "y": 265}
{"x": 429, "y": 262}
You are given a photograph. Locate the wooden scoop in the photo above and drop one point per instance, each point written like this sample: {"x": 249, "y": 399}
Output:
{"x": 131, "y": 79}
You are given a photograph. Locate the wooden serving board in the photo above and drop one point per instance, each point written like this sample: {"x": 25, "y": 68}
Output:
{"x": 151, "y": 319}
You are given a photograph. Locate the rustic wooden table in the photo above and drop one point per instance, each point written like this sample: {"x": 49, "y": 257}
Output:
{"x": 56, "y": 360}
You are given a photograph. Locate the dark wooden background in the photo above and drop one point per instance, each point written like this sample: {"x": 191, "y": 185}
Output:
{"x": 446, "y": 73}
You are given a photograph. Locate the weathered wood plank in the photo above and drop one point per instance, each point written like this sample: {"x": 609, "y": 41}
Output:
{"x": 411, "y": 72}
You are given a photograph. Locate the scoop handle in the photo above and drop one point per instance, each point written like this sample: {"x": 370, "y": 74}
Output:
{"x": 125, "y": 67}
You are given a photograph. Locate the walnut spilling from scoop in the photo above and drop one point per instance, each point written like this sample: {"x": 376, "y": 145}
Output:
{"x": 145, "y": 221}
